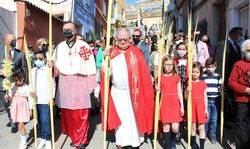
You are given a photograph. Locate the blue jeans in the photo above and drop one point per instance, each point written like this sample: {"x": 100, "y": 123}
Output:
{"x": 212, "y": 118}
{"x": 43, "y": 116}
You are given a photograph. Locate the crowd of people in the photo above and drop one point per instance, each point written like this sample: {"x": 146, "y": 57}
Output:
{"x": 78, "y": 87}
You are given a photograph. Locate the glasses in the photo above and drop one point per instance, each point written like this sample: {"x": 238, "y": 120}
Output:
{"x": 122, "y": 39}
{"x": 168, "y": 65}
{"x": 136, "y": 36}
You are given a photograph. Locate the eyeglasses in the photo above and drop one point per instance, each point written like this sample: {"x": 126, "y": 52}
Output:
{"x": 122, "y": 39}
{"x": 136, "y": 36}
{"x": 168, "y": 65}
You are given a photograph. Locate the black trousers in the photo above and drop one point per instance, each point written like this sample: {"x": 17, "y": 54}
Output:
{"x": 6, "y": 105}
{"x": 242, "y": 124}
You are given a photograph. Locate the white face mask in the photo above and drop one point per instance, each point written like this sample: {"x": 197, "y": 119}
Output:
{"x": 211, "y": 70}
{"x": 181, "y": 53}
{"x": 247, "y": 56}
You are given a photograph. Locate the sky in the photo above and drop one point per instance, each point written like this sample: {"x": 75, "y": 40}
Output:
{"x": 129, "y": 2}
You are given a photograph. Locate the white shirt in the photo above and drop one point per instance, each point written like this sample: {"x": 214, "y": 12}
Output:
{"x": 40, "y": 78}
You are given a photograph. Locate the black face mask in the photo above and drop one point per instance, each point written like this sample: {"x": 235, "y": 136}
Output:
{"x": 68, "y": 34}
{"x": 136, "y": 40}
{"x": 13, "y": 43}
{"x": 45, "y": 47}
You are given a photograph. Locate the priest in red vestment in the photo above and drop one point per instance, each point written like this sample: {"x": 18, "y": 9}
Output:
{"x": 131, "y": 95}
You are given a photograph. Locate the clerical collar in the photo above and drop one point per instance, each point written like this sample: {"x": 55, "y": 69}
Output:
{"x": 70, "y": 43}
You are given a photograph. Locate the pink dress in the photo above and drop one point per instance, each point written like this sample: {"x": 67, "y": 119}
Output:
{"x": 19, "y": 108}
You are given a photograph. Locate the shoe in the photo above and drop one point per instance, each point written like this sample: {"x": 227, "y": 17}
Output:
{"x": 48, "y": 145}
{"x": 72, "y": 145}
{"x": 8, "y": 125}
{"x": 23, "y": 142}
{"x": 14, "y": 129}
{"x": 81, "y": 146}
{"x": 213, "y": 141}
{"x": 41, "y": 144}
{"x": 178, "y": 141}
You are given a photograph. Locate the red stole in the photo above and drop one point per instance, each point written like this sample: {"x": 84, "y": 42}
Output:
{"x": 141, "y": 91}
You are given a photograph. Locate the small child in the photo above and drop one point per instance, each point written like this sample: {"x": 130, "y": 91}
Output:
{"x": 21, "y": 104}
{"x": 40, "y": 75}
{"x": 213, "y": 81}
{"x": 171, "y": 110}
{"x": 240, "y": 84}
{"x": 199, "y": 105}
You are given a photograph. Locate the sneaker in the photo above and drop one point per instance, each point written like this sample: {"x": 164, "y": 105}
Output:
{"x": 41, "y": 144}
{"x": 23, "y": 143}
{"x": 213, "y": 141}
{"x": 48, "y": 145}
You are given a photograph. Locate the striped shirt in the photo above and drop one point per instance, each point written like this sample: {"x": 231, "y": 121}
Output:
{"x": 213, "y": 85}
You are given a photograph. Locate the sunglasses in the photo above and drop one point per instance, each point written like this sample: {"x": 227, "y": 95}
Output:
{"x": 168, "y": 65}
{"x": 181, "y": 49}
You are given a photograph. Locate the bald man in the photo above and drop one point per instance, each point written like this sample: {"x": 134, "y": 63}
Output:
{"x": 131, "y": 98}
{"x": 18, "y": 61}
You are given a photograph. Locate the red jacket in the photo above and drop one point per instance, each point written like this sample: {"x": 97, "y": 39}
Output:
{"x": 141, "y": 92}
{"x": 238, "y": 80}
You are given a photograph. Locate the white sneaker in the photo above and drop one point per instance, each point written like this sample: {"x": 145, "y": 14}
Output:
{"x": 41, "y": 144}
{"x": 48, "y": 145}
{"x": 23, "y": 143}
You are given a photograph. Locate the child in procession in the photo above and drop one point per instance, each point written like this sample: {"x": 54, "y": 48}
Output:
{"x": 199, "y": 105}
{"x": 171, "y": 110}
{"x": 40, "y": 75}
{"x": 21, "y": 104}
{"x": 213, "y": 81}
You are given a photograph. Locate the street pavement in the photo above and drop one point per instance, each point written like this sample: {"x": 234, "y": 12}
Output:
{"x": 11, "y": 141}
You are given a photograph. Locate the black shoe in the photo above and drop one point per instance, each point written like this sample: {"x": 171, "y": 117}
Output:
{"x": 14, "y": 130}
{"x": 8, "y": 125}
{"x": 178, "y": 141}
{"x": 72, "y": 145}
{"x": 81, "y": 146}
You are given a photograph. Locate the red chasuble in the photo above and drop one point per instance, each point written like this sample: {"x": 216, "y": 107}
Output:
{"x": 141, "y": 91}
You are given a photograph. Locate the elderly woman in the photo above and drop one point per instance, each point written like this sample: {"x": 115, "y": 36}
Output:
{"x": 239, "y": 82}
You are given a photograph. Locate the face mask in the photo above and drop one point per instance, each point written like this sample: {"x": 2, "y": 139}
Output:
{"x": 248, "y": 56}
{"x": 181, "y": 53}
{"x": 136, "y": 41}
{"x": 68, "y": 34}
{"x": 13, "y": 43}
{"x": 211, "y": 70}
{"x": 32, "y": 56}
{"x": 45, "y": 47}
{"x": 240, "y": 40}
{"x": 39, "y": 63}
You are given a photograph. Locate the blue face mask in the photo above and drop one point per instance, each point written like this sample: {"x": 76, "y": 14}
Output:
{"x": 39, "y": 63}
{"x": 32, "y": 56}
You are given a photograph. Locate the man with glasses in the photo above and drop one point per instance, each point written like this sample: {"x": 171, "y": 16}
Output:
{"x": 131, "y": 102}
{"x": 138, "y": 41}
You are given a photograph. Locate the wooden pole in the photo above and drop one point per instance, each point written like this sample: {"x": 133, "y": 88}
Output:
{"x": 190, "y": 65}
{"x": 50, "y": 79}
{"x": 168, "y": 40}
{"x": 222, "y": 92}
{"x": 106, "y": 75}
{"x": 160, "y": 48}
{"x": 26, "y": 50}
